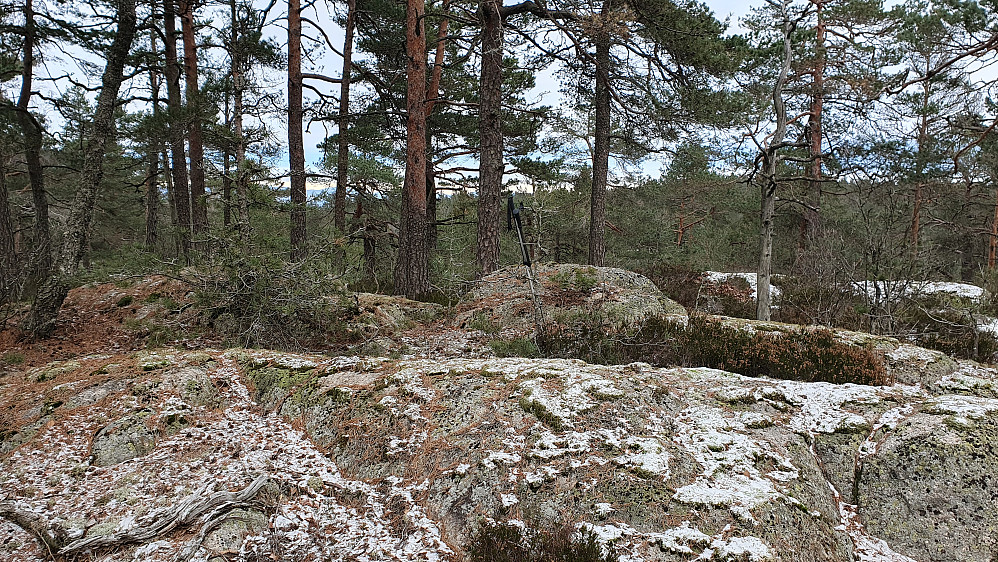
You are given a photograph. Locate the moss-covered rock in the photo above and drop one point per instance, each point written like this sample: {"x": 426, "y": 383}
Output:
{"x": 569, "y": 293}
{"x": 124, "y": 439}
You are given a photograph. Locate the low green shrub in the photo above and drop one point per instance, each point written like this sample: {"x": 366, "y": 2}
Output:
{"x": 508, "y": 542}
{"x": 517, "y": 347}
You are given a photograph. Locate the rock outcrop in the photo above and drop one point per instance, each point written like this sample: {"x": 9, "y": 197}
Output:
{"x": 401, "y": 459}
{"x": 569, "y": 293}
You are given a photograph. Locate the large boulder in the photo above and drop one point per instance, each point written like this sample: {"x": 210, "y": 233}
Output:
{"x": 568, "y": 293}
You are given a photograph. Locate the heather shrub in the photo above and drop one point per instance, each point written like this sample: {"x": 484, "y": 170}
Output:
{"x": 508, "y": 542}
{"x": 802, "y": 354}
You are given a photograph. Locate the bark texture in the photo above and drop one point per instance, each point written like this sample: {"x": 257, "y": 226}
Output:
{"x": 31, "y": 130}
{"x": 812, "y": 215}
{"x": 178, "y": 156}
{"x": 343, "y": 119}
{"x": 45, "y": 308}
{"x": 296, "y": 142}
{"x": 769, "y": 181}
{"x": 195, "y": 141}
{"x": 601, "y": 148}
{"x": 238, "y": 66}
{"x": 412, "y": 275}
{"x": 491, "y": 165}
{"x": 152, "y": 163}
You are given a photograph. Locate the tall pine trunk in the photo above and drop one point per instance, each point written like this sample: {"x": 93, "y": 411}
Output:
{"x": 296, "y": 142}
{"x": 491, "y": 165}
{"x": 178, "y": 156}
{"x": 152, "y": 161}
{"x": 195, "y": 142}
{"x": 432, "y": 94}
{"x": 601, "y": 147}
{"x": 811, "y": 223}
{"x": 238, "y": 87}
{"x": 8, "y": 256}
{"x": 343, "y": 120}
{"x": 412, "y": 275}
{"x": 31, "y": 130}
{"x": 41, "y": 319}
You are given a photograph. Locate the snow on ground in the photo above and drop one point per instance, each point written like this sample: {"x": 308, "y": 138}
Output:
{"x": 224, "y": 450}
{"x": 329, "y": 515}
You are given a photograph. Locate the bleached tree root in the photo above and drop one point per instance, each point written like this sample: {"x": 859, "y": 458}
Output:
{"x": 49, "y": 533}
{"x": 182, "y": 515}
{"x": 54, "y": 537}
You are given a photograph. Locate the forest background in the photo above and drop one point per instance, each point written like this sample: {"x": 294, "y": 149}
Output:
{"x": 835, "y": 142}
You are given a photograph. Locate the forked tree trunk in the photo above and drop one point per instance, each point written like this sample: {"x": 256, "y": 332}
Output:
{"x": 412, "y": 275}
{"x": 491, "y": 165}
{"x": 769, "y": 182}
{"x": 32, "y": 132}
{"x": 41, "y": 319}
{"x": 178, "y": 156}
{"x": 199, "y": 203}
{"x": 343, "y": 120}
{"x": 296, "y": 143}
{"x": 601, "y": 147}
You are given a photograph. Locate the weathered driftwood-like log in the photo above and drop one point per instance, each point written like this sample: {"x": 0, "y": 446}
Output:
{"x": 182, "y": 515}
{"x": 51, "y": 535}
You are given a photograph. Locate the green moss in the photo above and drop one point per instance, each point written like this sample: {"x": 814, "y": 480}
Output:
{"x": 124, "y": 301}
{"x": 541, "y": 412}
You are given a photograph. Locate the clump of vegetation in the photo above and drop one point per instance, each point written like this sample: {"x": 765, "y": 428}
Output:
{"x": 801, "y": 355}
{"x": 12, "y": 358}
{"x": 263, "y": 301}
{"x": 124, "y": 301}
{"x": 517, "y": 347}
{"x": 691, "y": 289}
{"x": 508, "y": 542}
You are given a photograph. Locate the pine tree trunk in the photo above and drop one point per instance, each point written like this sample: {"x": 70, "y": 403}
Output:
{"x": 763, "y": 293}
{"x": 41, "y": 319}
{"x": 195, "y": 142}
{"x": 343, "y": 143}
{"x": 431, "y": 207}
{"x": 491, "y": 165}
{"x": 238, "y": 87}
{"x": 32, "y": 132}
{"x": 811, "y": 224}
{"x": 226, "y": 189}
{"x": 601, "y": 149}
{"x": 152, "y": 166}
{"x": 412, "y": 275}
{"x": 8, "y": 256}
{"x": 171, "y": 199}
{"x": 296, "y": 143}
{"x": 178, "y": 156}
{"x": 432, "y": 93}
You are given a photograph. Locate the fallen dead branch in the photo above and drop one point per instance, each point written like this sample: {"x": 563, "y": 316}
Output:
{"x": 53, "y": 536}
